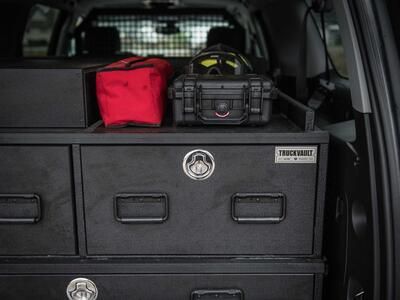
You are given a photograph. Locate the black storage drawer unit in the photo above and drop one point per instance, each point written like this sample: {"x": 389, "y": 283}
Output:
{"x": 48, "y": 93}
{"x": 156, "y": 280}
{"x": 258, "y": 200}
{"x": 36, "y": 208}
{"x": 166, "y": 287}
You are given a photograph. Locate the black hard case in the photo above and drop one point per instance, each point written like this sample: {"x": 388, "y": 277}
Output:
{"x": 48, "y": 93}
{"x": 222, "y": 100}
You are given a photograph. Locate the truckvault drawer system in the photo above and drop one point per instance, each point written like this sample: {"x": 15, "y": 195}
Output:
{"x": 226, "y": 212}
{"x": 177, "y": 191}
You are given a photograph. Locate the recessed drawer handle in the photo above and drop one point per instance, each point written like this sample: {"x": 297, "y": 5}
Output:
{"x": 19, "y": 209}
{"x": 141, "y": 208}
{"x": 259, "y": 207}
{"x": 228, "y": 294}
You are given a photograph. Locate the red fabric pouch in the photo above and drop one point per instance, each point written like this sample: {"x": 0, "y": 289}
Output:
{"x": 133, "y": 91}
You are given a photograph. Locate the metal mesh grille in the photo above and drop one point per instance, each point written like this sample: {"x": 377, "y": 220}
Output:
{"x": 167, "y": 35}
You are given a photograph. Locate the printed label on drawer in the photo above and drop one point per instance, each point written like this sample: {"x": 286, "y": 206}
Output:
{"x": 296, "y": 155}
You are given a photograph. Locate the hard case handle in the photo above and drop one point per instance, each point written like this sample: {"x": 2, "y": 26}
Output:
{"x": 216, "y": 121}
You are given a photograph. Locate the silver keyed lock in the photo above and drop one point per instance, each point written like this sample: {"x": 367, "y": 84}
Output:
{"x": 82, "y": 289}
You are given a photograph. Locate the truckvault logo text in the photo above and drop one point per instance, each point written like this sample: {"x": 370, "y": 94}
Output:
{"x": 301, "y": 155}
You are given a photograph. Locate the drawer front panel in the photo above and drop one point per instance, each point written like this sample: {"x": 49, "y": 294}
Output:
{"x": 249, "y": 204}
{"x": 36, "y": 208}
{"x": 166, "y": 287}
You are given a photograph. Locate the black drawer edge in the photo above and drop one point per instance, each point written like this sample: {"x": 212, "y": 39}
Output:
{"x": 163, "y": 266}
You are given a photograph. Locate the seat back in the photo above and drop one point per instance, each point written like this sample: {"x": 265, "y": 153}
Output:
{"x": 232, "y": 37}
{"x": 101, "y": 41}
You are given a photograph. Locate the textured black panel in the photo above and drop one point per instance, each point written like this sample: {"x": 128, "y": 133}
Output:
{"x": 47, "y": 94}
{"x": 166, "y": 287}
{"x": 200, "y": 219}
{"x": 45, "y": 172}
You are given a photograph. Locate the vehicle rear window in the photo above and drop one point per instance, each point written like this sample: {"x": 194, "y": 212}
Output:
{"x": 39, "y": 30}
{"x": 170, "y": 35}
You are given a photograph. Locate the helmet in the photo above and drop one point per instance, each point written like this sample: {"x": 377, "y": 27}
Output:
{"x": 220, "y": 60}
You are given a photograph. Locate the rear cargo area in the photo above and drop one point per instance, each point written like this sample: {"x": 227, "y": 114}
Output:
{"x": 189, "y": 150}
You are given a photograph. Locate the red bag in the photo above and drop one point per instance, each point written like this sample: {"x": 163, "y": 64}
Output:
{"x": 133, "y": 91}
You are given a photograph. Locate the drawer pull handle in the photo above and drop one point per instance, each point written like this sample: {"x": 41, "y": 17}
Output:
{"x": 141, "y": 208}
{"x": 20, "y": 209}
{"x": 268, "y": 208}
{"x": 228, "y": 294}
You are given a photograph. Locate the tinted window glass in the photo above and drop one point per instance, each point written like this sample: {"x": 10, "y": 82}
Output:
{"x": 39, "y": 30}
{"x": 334, "y": 42}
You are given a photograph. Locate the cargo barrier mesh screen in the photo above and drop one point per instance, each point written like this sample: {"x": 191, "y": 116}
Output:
{"x": 166, "y": 35}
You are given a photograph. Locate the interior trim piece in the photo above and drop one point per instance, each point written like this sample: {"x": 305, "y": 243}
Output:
{"x": 358, "y": 82}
